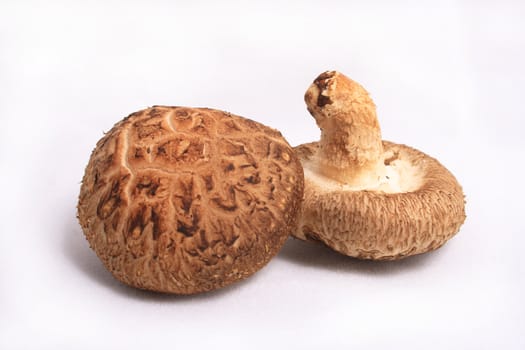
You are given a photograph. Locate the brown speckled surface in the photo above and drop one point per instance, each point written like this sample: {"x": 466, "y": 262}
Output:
{"x": 186, "y": 200}
{"x": 384, "y": 226}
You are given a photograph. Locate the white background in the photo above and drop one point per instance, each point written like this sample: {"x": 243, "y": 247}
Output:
{"x": 448, "y": 78}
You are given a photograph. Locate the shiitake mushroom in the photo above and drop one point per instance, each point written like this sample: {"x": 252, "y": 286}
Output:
{"x": 365, "y": 197}
{"x": 186, "y": 200}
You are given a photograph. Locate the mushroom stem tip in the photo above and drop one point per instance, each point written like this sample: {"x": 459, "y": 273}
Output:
{"x": 351, "y": 149}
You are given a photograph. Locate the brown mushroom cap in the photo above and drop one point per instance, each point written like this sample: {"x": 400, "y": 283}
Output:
{"x": 365, "y": 197}
{"x": 185, "y": 200}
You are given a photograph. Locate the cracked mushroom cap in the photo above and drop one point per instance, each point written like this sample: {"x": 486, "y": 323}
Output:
{"x": 365, "y": 197}
{"x": 187, "y": 200}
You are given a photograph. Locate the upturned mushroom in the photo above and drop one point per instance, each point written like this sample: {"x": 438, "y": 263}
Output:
{"x": 365, "y": 197}
{"x": 187, "y": 200}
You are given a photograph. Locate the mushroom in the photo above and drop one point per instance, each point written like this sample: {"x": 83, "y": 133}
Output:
{"x": 365, "y": 197}
{"x": 186, "y": 200}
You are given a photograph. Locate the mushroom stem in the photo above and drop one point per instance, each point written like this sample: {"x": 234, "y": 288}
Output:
{"x": 351, "y": 151}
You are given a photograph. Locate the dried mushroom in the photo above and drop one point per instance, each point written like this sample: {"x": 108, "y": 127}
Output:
{"x": 365, "y": 197}
{"x": 187, "y": 200}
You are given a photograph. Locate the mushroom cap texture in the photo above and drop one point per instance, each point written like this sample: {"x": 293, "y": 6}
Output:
{"x": 186, "y": 200}
{"x": 383, "y": 226}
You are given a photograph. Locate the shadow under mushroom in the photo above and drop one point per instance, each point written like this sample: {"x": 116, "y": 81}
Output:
{"x": 312, "y": 254}
{"x": 76, "y": 250}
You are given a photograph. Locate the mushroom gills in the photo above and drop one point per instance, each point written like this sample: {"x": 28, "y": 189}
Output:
{"x": 400, "y": 176}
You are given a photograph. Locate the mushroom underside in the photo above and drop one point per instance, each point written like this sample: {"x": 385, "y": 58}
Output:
{"x": 416, "y": 209}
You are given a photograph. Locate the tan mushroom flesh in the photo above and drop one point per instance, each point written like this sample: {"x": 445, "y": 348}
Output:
{"x": 365, "y": 197}
{"x": 187, "y": 200}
